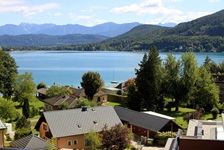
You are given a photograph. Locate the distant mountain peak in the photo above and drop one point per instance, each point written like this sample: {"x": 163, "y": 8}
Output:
{"x": 109, "y": 29}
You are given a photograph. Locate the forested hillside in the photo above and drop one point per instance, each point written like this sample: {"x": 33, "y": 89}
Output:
{"x": 202, "y": 34}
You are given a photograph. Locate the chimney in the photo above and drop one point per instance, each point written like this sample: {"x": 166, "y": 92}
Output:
{"x": 84, "y": 108}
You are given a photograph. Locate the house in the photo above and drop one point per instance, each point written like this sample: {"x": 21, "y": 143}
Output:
{"x": 54, "y": 103}
{"x": 31, "y": 142}
{"x": 144, "y": 123}
{"x": 201, "y": 134}
{"x": 100, "y": 96}
{"x": 70, "y": 126}
{"x": 2, "y": 128}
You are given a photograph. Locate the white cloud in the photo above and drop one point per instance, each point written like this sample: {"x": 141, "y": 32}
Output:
{"x": 10, "y": 2}
{"x": 179, "y": 18}
{"x": 95, "y": 22}
{"x": 27, "y": 11}
{"x": 213, "y": 1}
{"x": 76, "y": 17}
{"x": 152, "y": 7}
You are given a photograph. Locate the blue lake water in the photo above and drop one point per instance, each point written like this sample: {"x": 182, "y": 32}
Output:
{"x": 67, "y": 67}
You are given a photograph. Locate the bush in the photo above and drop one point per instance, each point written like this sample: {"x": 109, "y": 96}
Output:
{"x": 23, "y": 123}
{"x": 22, "y": 133}
{"x": 34, "y": 111}
{"x": 215, "y": 112}
{"x": 165, "y": 135}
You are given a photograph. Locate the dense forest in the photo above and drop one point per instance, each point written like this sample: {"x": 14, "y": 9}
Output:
{"x": 205, "y": 34}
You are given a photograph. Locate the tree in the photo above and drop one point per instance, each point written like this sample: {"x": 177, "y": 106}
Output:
{"x": 207, "y": 92}
{"x": 133, "y": 100}
{"x": 91, "y": 82}
{"x": 56, "y": 90}
{"x": 117, "y": 137}
{"x": 95, "y": 139}
{"x": 149, "y": 78}
{"x": 8, "y": 72}
{"x": 25, "y": 88}
{"x": 26, "y": 108}
{"x": 189, "y": 76}
{"x": 211, "y": 65}
{"x": 84, "y": 102}
{"x": 172, "y": 84}
{"x": 7, "y": 109}
{"x": 41, "y": 85}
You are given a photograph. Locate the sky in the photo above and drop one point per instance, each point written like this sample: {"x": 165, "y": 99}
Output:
{"x": 93, "y": 12}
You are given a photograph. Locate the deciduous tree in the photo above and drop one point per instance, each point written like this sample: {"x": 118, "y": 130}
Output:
{"x": 95, "y": 139}
{"x": 7, "y": 109}
{"x": 8, "y": 72}
{"x": 117, "y": 137}
{"x": 172, "y": 84}
{"x": 189, "y": 76}
{"x": 56, "y": 90}
{"x": 91, "y": 82}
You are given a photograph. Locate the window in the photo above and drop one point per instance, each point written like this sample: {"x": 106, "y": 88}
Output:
{"x": 75, "y": 142}
{"x": 87, "y": 142}
{"x": 44, "y": 127}
{"x": 69, "y": 143}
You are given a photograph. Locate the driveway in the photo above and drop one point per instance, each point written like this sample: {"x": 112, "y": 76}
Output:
{"x": 142, "y": 147}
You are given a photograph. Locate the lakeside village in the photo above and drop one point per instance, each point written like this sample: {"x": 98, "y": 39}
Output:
{"x": 175, "y": 105}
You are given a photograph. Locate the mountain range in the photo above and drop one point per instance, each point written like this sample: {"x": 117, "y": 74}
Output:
{"x": 202, "y": 34}
{"x": 108, "y": 29}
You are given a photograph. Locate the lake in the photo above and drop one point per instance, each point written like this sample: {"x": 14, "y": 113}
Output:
{"x": 67, "y": 67}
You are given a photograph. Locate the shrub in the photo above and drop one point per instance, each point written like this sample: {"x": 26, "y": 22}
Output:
{"x": 215, "y": 112}
{"x": 34, "y": 111}
{"x": 22, "y": 133}
{"x": 165, "y": 135}
{"x": 23, "y": 123}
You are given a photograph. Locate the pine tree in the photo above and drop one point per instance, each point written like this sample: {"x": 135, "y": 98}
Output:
{"x": 149, "y": 79}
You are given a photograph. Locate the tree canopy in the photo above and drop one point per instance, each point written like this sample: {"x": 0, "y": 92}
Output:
{"x": 8, "y": 72}
{"x": 91, "y": 82}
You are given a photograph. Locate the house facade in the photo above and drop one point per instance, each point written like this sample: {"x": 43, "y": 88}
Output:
{"x": 2, "y": 128}
{"x": 70, "y": 126}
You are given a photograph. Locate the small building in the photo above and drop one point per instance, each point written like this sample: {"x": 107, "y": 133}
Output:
{"x": 145, "y": 123}
{"x": 100, "y": 96}
{"x": 31, "y": 142}
{"x": 70, "y": 126}
{"x": 2, "y": 128}
{"x": 54, "y": 103}
{"x": 201, "y": 134}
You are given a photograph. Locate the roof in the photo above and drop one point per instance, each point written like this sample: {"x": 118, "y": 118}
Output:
{"x": 2, "y": 125}
{"x": 81, "y": 92}
{"x": 30, "y": 142}
{"x": 140, "y": 119}
{"x": 76, "y": 121}
{"x": 42, "y": 91}
{"x": 159, "y": 115}
{"x": 60, "y": 99}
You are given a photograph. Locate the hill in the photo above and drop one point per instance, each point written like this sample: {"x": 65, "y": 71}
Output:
{"x": 48, "y": 40}
{"x": 203, "y": 34}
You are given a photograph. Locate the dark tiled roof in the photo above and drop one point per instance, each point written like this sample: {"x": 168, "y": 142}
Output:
{"x": 58, "y": 100}
{"x": 30, "y": 142}
{"x": 75, "y": 121}
{"x": 140, "y": 119}
{"x": 81, "y": 92}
